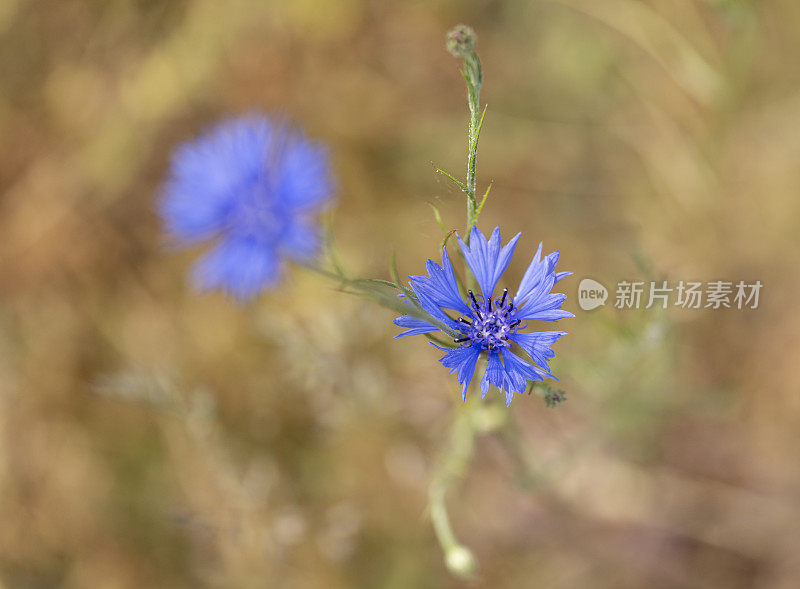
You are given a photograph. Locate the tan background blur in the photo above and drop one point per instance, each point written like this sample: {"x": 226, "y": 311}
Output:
{"x": 154, "y": 437}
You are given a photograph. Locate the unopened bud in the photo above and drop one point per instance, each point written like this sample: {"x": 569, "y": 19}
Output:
{"x": 461, "y": 40}
{"x": 460, "y": 561}
{"x": 554, "y": 398}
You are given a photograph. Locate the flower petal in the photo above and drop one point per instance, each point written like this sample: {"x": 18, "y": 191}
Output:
{"x": 493, "y": 374}
{"x": 414, "y": 325}
{"x": 430, "y": 307}
{"x": 487, "y": 260}
{"x": 531, "y": 281}
{"x": 305, "y": 179}
{"x": 300, "y": 240}
{"x": 538, "y": 345}
{"x": 545, "y": 308}
{"x": 516, "y": 374}
{"x": 241, "y": 266}
{"x": 208, "y": 175}
{"x": 441, "y": 285}
{"x": 462, "y": 361}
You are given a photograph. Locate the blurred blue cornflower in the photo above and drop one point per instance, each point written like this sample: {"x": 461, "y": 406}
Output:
{"x": 251, "y": 184}
{"x": 491, "y": 326}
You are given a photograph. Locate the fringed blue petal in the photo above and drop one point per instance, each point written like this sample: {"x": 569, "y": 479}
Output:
{"x": 430, "y": 307}
{"x": 462, "y": 361}
{"x": 516, "y": 374}
{"x": 487, "y": 260}
{"x": 441, "y": 285}
{"x": 414, "y": 325}
{"x": 532, "y": 280}
{"x": 538, "y": 344}
{"x": 493, "y": 374}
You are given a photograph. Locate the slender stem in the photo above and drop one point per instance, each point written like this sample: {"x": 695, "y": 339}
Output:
{"x": 472, "y": 160}
{"x": 473, "y": 76}
{"x": 472, "y": 65}
{"x": 450, "y": 470}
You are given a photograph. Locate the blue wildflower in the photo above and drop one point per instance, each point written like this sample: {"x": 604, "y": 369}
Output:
{"x": 251, "y": 184}
{"x": 491, "y": 326}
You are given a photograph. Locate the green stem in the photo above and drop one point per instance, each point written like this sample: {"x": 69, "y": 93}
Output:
{"x": 472, "y": 420}
{"x": 474, "y": 78}
{"x": 472, "y": 162}
{"x": 451, "y": 469}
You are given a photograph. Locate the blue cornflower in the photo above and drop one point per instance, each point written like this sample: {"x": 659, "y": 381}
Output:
{"x": 491, "y": 326}
{"x": 252, "y": 184}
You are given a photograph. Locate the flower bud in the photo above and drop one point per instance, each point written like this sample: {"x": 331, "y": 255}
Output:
{"x": 460, "y": 561}
{"x": 554, "y": 398}
{"x": 461, "y": 40}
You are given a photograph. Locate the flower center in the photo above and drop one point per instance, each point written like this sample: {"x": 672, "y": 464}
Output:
{"x": 256, "y": 214}
{"x": 490, "y": 325}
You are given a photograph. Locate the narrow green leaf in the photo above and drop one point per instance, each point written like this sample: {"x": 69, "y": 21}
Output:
{"x": 456, "y": 181}
{"x": 393, "y": 269}
{"x": 478, "y": 129}
{"x": 438, "y": 217}
{"x": 483, "y": 202}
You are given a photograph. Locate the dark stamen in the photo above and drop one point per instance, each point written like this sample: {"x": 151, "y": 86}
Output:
{"x": 475, "y": 302}
{"x": 503, "y": 300}
{"x": 513, "y": 324}
{"x": 464, "y": 321}
{"x": 461, "y": 340}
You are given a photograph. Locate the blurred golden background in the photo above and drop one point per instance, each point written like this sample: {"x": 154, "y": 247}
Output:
{"x": 154, "y": 437}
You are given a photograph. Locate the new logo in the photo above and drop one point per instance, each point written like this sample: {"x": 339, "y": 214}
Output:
{"x": 591, "y": 294}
